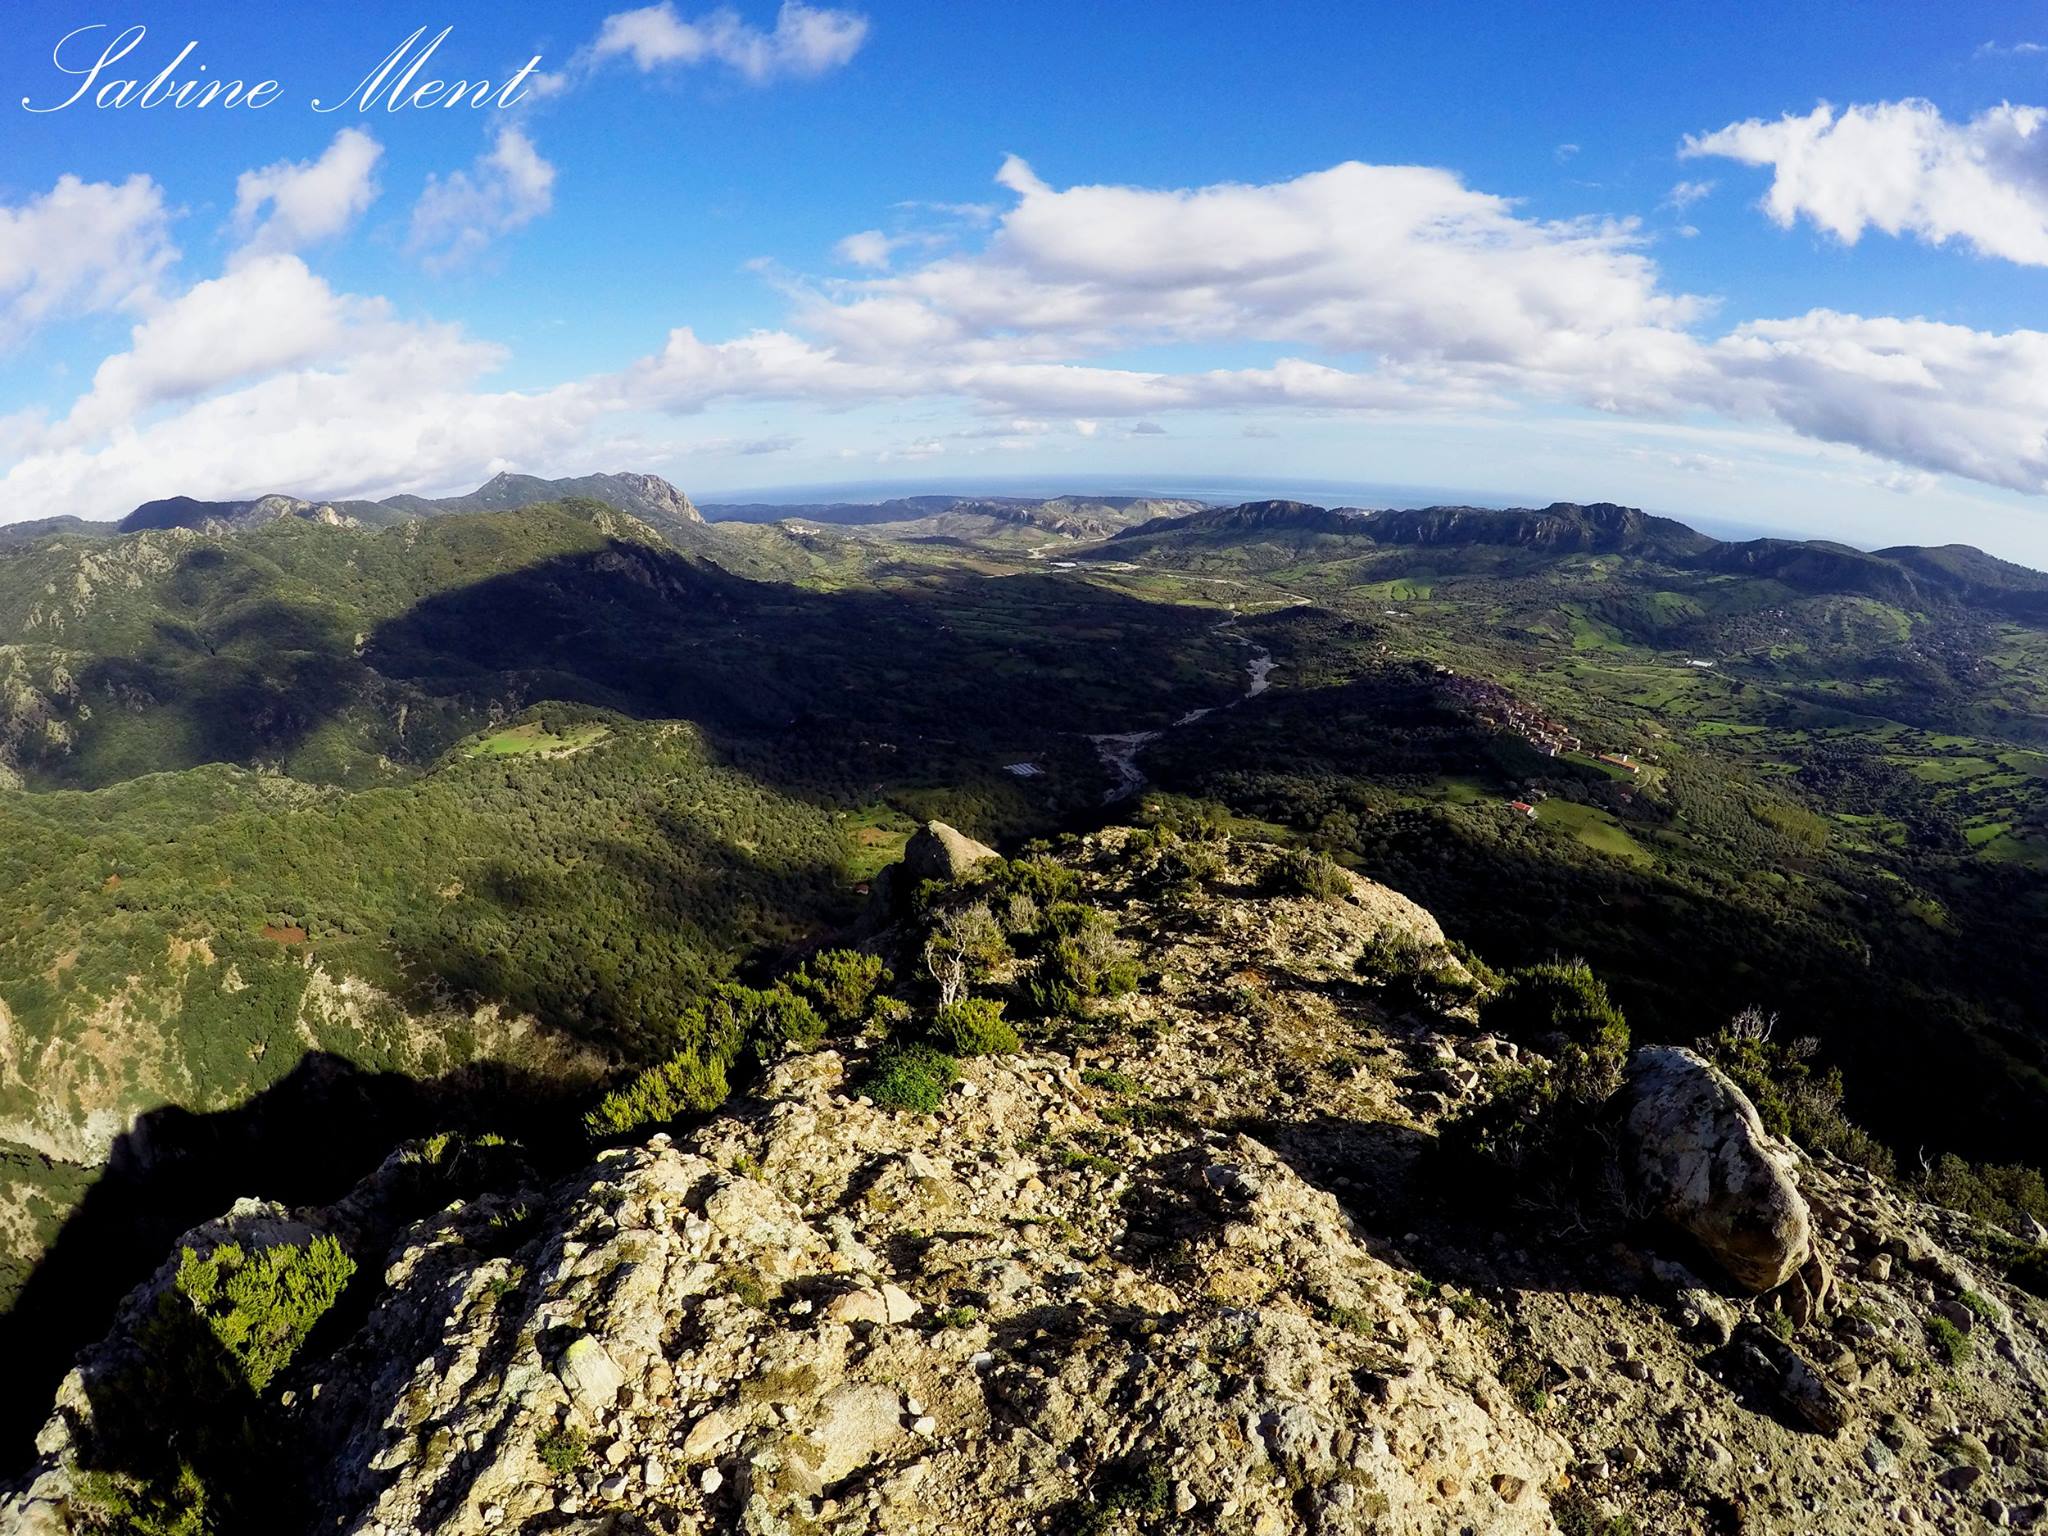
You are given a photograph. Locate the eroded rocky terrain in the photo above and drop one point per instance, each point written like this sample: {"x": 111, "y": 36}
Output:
{"x": 1192, "y": 1266}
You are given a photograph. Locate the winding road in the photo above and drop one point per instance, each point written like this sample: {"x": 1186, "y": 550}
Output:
{"x": 1119, "y": 751}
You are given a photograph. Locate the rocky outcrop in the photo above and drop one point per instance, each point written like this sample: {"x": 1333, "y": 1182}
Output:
{"x": 1704, "y": 1161}
{"x": 1177, "y": 1272}
{"x": 937, "y": 852}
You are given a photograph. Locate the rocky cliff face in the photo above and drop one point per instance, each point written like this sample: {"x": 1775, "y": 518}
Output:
{"x": 1181, "y": 1270}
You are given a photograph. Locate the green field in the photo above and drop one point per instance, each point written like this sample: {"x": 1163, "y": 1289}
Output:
{"x": 523, "y": 740}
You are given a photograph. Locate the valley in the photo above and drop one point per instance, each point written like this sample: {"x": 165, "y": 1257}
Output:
{"x": 448, "y": 810}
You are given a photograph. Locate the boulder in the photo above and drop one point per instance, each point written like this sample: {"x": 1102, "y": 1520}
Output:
{"x": 937, "y": 852}
{"x": 590, "y": 1376}
{"x": 1703, "y": 1159}
{"x": 855, "y": 1423}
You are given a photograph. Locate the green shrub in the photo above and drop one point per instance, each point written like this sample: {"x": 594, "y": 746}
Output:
{"x": 1541, "y": 1134}
{"x": 261, "y": 1306}
{"x": 1305, "y": 872}
{"x": 664, "y": 1093}
{"x": 1948, "y": 1343}
{"x": 1979, "y": 1304}
{"x": 1110, "y": 1081}
{"x": 1084, "y": 962}
{"x": 1044, "y": 880}
{"x": 913, "y": 1077}
{"x": 781, "y": 1017}
{"x": 1995, "y": 1192}
{"x": 1578, "y": 1513}
{"x": 1127, "y": 1493}
{"x": 841, "y": 984}
{"x": 562, "y": 1449}
{"x": 1559, "y": 997}
{"x": 122, "y": 1504}
{"x": 1793, "y": 1099}
{"x": 975, "y": 1026}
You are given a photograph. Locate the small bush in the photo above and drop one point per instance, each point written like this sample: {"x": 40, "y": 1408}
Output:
{"x": 1126, "y": 1492}
{"x": 1044, "y": 880}
{"x": 120, "y": 1504}
{"x": 261, "y": 1306}
{"x": 1792, "y": 1099}
{"x": 1948, "y": 1343}
{"x": 781, "y": 1017}
{"x": 664, "y": 1093}
{"x": 1545, "y": 1128}
{"x": 975, "y": 1026}
{"x": 1578, "y": 1513}
{"x": 1995, "y": 1192}
{"x": 562, "y": 1449}
{"x": 1560, "y": 998}
{"x": 841, "y": 984}
{"x": 1084, "y": 961}
{"x": 912, "y": 1077}
{"x": 1308, "y": 873}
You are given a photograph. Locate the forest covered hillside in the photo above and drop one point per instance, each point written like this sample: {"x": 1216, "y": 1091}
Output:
{"x": 321, "y": 835}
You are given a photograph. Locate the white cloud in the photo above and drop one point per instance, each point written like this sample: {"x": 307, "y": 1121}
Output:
{"x": 461, "y": 213}
{"x": 807, "y": 41}
{"x": 1359, "y": 288}
{"x": 2010, "y": 50}
{"x": 265, "y": 314}
{"x": 1439, "y": 285}
{"x": 297, "y": 203}
{"x": 402, "y": 413}
{"x": 83, "y": 247}
{"x": 1902, "y": 168}
{"x": 868, "y": 248}
{"x": 1685, "y": 193}
{"x": 1937, "y": 397}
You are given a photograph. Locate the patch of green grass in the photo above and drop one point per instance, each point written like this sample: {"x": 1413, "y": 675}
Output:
{"x": 533, "y": 737}
{"x": 1948, "y": 1343}
{"x": 1110, "y": 1081}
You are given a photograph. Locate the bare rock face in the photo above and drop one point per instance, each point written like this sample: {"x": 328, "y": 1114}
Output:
{"x": 1703, "y": 1157}
{"x": 937, "y": 852}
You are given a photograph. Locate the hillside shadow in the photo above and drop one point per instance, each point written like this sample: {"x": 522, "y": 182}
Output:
{"x": 306, "y": 1140}
{"x": 653, "y": 635}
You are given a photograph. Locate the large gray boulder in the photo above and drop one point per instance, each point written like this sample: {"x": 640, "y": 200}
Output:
{"x": 937, "y": 852}
{"x": 1703, "y": 1159}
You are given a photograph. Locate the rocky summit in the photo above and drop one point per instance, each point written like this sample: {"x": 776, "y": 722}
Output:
{"x": 1200, "y": 1265}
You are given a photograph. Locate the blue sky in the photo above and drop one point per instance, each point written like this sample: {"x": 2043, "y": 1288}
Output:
{"x": 1456, "y": 246}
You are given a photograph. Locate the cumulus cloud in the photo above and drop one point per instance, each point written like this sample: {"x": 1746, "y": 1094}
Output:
{"x": 461, "y": 213}
{"x": 383, "y": 407}
{"x": 83, "y": 247}
{"x": 807, "y": 41}
{"x": 868, "y": 248}
{"x": 1903, "y": 168}
{"x": 1359, "y": 288}
{"x": 265, "y": 314}
{"x": 1937, "y": 397}
{"x": 297, "y": 203}
{"x": 1685, "y": 193}
{"x": 1436, "y": 284}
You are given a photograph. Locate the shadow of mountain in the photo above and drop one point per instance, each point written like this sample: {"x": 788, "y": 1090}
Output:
{"x": 653, "y": 634}
{"x": 306, "y": 1140}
